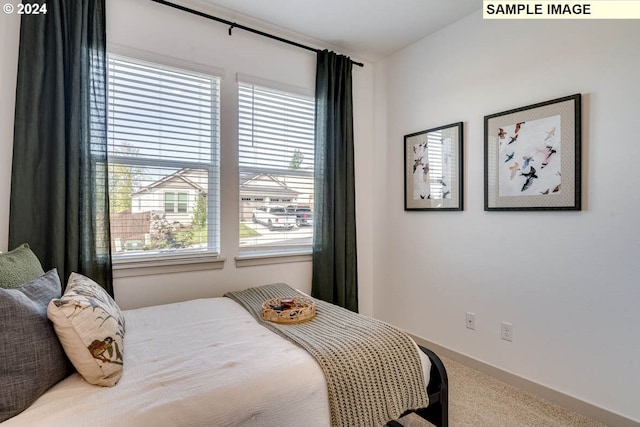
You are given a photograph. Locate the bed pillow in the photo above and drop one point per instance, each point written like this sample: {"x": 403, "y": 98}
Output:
{"x": 90, "y": 327}
{"x": 31, "y": 357}
{"x": 19, "y": 266}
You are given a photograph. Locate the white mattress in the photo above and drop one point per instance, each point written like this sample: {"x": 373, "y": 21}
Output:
{"x": 204, "y": 362}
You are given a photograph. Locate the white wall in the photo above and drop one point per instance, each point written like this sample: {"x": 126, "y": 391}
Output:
{"x": 569, "y": 283}
{"x": 9, "y": 39}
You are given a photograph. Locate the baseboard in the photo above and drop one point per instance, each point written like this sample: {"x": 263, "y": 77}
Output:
{"x": 574, "y": 404}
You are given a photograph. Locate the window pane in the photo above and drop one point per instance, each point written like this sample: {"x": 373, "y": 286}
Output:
{"x": 169, "y": 202}
{"x": 183, "y": 198}
{"x": 163, "y": 160}
{"x": 144, "y": 219}
{"x": 276, "y": 159}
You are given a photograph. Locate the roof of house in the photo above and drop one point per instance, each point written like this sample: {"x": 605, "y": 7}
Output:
{"x": 182, "y": 175}
{"x": 250, "y": 183}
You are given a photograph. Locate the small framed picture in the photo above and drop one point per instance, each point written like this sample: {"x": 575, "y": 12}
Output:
{"x": 532, "y": 157}
{"x": 433, "y": 169}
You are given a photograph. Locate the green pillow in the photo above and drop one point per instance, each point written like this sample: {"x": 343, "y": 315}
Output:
{"x": 19, "y": 266}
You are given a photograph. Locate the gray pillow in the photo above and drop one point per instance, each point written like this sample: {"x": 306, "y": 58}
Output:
{"x": 31, "y": 356}
{"x": 19, "y": 266}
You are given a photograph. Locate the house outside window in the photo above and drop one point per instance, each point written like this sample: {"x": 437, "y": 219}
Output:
{"x": 276, "y": 161}
{"x": 163, "y": 136}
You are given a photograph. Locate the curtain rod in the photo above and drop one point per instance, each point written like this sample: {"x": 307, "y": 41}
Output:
{"x": 233, "y": 25}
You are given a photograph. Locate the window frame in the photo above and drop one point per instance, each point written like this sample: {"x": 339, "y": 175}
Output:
{"x": 178, "y": 206}
{"x": 184, "y": 260}
{"x": 169, "y": 202}
{"x": 271, "y": 254}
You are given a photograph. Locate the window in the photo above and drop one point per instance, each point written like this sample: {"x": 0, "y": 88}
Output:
{"x": 170, "y": 205}
{"x": 276, "y": 159}
{"x": 183, "y": 200}
{"x": 163, "y": 160}
{"x": 169, "y": 202}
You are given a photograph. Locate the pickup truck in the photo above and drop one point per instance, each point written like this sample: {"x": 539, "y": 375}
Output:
{"x": 273, "y": 216}
{"x": 304, "y": 215}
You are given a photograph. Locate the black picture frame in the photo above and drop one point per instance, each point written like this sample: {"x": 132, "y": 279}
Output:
{"x": 532, "y": 157}
{"x": 433, "y": 176}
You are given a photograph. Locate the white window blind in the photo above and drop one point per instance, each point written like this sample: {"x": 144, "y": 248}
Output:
{"x": 276, "y": 159}
{"x": 163, "y": 127}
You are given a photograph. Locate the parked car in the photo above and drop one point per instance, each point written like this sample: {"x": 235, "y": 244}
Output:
{"x": 304, "y": 215}
{"x": 273, "y": 216}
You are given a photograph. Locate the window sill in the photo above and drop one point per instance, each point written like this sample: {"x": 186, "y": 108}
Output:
{"x": 265, "y": 258}
{"x": 148, "y": 267}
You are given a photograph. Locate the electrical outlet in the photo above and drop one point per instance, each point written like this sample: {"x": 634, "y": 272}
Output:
{"x": 506, "y": 331}
{"x": 471, "y": 320}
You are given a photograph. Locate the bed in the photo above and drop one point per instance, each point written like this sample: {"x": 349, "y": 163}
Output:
{"x": 207, "y": 362}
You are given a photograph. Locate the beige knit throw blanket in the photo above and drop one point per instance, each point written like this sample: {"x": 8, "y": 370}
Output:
{"x": 373, "y": 370}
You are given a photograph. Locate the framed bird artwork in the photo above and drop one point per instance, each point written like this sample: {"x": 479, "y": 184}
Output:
{"x": 433, "y": 169}
{"x": 532, "y": 157}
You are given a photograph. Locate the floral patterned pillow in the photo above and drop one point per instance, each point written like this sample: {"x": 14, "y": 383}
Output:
{"x": 90, "y": 327}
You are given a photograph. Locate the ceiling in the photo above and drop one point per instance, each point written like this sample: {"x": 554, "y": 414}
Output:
{"x": 368, "y": 30}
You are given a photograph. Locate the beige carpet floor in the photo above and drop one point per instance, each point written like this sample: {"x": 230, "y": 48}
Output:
{"x": 478, "y": 400}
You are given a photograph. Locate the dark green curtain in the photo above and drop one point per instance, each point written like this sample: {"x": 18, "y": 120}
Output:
{"x": 59, "y": 191}
{"x": 335, "y": 274}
